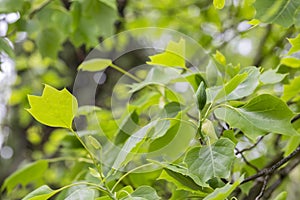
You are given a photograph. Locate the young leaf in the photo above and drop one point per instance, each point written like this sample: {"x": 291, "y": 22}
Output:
{"x": 173, "y": 56}
{"x": 25, "y": 175}
{"x": 295, "y": 42}
{"x": 231, "y": 85}
{"x": 94, "y": 65}
{"x": 54, "y": 108}
{"x": 262, "y": 114}
{"x": 224, "y": 192}
{"x": 217, "y": 157}
{"x": 279, "y": 12}
{"x": 291, "y": 90}
{"x": 219, "y": 4}
{"x": 290, "y": 62}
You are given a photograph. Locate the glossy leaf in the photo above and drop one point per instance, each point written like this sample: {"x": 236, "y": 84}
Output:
{"x": 252, "y": 118}
{"x": 279, "y": 12}
{"x": 173, "y": 56}
{"x": 211, "y": 161}
{"x": 224, "y": 192}
{"x": 54, "y": 108}
{"x": 25, "y": 175}
{"x": 94, "y": 65}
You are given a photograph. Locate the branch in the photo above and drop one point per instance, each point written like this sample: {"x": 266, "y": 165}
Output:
{"x": 283, "y": 173}
{"x": 246, "y": 160}
{"x": 251, "y": 147}
{"x": 272, "y": 169}
{"x": 261, "y": 193}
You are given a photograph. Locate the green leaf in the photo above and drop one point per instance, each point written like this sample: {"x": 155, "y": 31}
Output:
{"x": 220, "y": 57}
{"x": 290, "y": 62}
{"x": 109, "y": 3}
{"x": 238, "y": 87}
{"x": 173, "y": 56}
{"x": 262, "y": 114}
{"x": 270, "y": 77}
{"x": 211, "y": 161}
{"x": 4, "y": 46}
{"x": 25, "y": 175}
{"x": 209, "y": 130}
{"x": 295, "y": 42}
{"x": 131, "y": 143}
{"x": 82, "y": 194}
{"x": 124, "y": 191}
{"x": 291, "y": 90}
{"x": 54, "y": 108}
{"x": 231, "y": 85}
{"x": 279, "y": 12}
{"x": 182, "y": 182}
{"x": 127, "y": 127}
{"x": 49, "y": 42}
{"x": 87, "y": 109}
{"x": 143, "y": 193}
{"x": 94, "y": 172}
{"x": 42, "y": 193}
{"x": 219, "y": 4}
{"x": 156, "y": 76}
{"x": 224, "y": 192}
{"x": 94, "y": 142}
{"x": 281, "y": 196}
{"x": 94, "y": 65}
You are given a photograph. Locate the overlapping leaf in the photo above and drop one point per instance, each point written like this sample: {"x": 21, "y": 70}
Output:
{"x": 262, "y": 114}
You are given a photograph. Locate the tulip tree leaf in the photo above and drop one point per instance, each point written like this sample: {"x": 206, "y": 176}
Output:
{"x": 54, "y": 108}
{"x": 173, "y": 56}
{"x": 262, "y": 114}
{"x": 94, "y": 65}
{"x": 211, "y": 161}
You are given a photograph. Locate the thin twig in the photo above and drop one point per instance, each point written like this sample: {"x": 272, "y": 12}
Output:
{"x": 268, "y": 171}
{"x": 247, "y": 162}
{"x": 249, "y": 148}
{"x": 260, "y": 195}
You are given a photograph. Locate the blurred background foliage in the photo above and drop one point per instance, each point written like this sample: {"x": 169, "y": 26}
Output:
{"x": 44, "y": 41}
